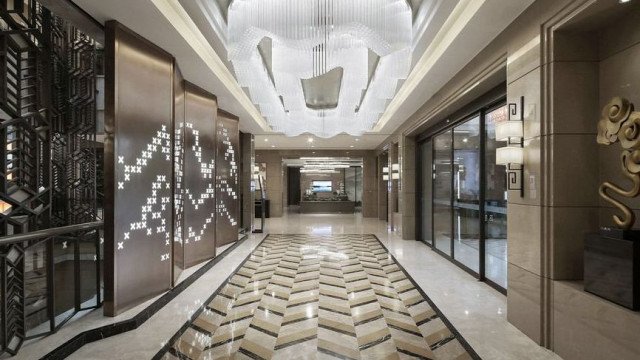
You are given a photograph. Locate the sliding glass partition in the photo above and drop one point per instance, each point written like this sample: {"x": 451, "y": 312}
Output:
{"x": 426, "y": 158}
{"x": 463, "y": 196}
{"x": 442, "y": 192}
{"x": 495, "y": 202}
{"x": 466, "y": 193}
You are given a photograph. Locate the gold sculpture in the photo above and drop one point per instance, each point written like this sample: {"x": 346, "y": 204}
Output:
{"x": 620, "y": 123}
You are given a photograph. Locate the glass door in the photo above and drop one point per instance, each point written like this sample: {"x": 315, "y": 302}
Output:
{"x": 426, "y": 213}
{"x": 466, "y": 193}
{"x": 442, "y": 192}
{"x": 463, "y": 198}
{"x": 495, "y": 203}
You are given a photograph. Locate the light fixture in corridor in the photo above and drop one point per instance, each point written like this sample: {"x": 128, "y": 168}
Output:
{"x": 320, "y": 66}
{"x": 512, "y": 155}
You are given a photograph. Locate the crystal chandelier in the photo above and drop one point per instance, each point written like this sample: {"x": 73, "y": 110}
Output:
{"x": 285, "y": 52}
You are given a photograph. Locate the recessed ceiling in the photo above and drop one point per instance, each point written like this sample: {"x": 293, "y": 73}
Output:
{"x": 317, "y": 70}
{"x": 448, "y": 33}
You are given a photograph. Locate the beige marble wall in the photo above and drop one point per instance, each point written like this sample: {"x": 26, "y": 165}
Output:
{"x": 248, "y": 161}
{"x": 383, "y": 197}
{"x": 586, "y": 327}
{"x": 370, "y": 181}
{"x": 407, "y": 160}
{"x": 393, "y": 200}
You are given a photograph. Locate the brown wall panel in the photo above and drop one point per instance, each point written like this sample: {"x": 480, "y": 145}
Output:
{"x": 227, "y": 190}
{"x": 199, "y": 232}
{"x": 138, "y": 169}
{"x": 178, "y": 179}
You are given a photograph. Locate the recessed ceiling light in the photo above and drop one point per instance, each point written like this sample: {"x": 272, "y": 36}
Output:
{"x": 624, "y": 1}
{"x": 357, "y": 139}
{"x": 310, "y": 139}
{"x": 265, "y": 139}
{"x": 273, "y": 146}
{"x": 465, "y": 140}
{"x": 351, "y": 146}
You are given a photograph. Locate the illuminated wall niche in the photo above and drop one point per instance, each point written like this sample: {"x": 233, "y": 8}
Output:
{"x": 139, "y": 110}
{"x": 198, "y": 175}
{"x": 227, "y": 190}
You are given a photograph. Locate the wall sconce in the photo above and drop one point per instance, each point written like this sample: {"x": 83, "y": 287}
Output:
{"x": 395, "y": 171}
{"x": 512, "y": 155}
{"x": 385, "y": 173}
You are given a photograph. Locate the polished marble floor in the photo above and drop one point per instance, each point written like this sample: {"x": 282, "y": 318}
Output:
{"x": 476, "y": 310}
{"x": 326, "y": 296}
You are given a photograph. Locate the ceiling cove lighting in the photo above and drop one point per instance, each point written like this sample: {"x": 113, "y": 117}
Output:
{"x": 320, "y": 66}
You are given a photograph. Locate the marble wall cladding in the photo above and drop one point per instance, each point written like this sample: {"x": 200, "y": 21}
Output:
{"x": 248, "y": 163}
{"x": 570, "y": 225}
{"x": 275, "y": 186}
{"x": 610, "y": 41}
{"x": 392, "y": 203}
{"x": 524, "y": 59}
{"x": 408, "y": 189}
{"x": 575, "y": 97}
{"x": 382, "y": 188}
{"x": 524, "y": 237}
{"x": 588, "y": 328}
{"x": 524, "y": 302}
{"x": 574, "y": 170}
{"x": 572, "y": 46}
{"x": 370, "y": 186}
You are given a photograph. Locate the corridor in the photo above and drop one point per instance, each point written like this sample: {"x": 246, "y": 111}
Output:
{"x": 475, "y": 310}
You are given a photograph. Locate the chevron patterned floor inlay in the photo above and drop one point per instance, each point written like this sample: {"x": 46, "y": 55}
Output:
{"x": 318, "y": 297}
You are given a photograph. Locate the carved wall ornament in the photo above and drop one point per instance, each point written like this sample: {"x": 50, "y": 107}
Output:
{"x": 621, "y": 123}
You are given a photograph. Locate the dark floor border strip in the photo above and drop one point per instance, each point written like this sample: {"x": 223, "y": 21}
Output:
{"x": 444, "y": 319}
{"x": 197, "y": 313}
{"x": 102, "y": 332}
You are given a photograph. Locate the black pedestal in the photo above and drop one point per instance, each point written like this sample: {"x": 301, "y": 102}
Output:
{"x": 611, "y": 266}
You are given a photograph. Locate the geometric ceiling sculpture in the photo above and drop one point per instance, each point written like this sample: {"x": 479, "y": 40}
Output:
{"x": 320, "y": 66}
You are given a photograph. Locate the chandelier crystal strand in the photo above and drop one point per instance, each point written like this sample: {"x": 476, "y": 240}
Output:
{"x": 310, "y": 38}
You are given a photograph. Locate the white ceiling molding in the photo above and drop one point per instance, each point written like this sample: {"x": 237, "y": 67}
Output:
{"x": 472, "y": 25}
{"x": 462, "y": 13}
{"x": 179, "y": 18}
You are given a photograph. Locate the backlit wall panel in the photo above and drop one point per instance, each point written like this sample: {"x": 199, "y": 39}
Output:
{"x": 139, "y": 90}
{"x": 199, "y": 155}
{"x": 178, "y": 176}
{"x": 227, "y": 172}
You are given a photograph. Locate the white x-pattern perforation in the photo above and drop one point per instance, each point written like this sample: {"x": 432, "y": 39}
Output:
{"x": 227, "y": 182}
{"x": 156, "y": 209}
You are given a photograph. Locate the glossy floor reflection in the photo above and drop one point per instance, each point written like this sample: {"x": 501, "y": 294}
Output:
{"x": 476, "y": 310}
{"x": 326, "y": 296}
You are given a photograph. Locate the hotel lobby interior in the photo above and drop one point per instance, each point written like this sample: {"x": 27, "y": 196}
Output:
{"x": 320, "y": 179}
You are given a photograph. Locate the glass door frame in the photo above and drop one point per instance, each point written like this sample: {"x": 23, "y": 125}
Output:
{"x": 430, "y": 135}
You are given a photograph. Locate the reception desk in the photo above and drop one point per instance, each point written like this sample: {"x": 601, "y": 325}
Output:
{"x": 327, "y": 207}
